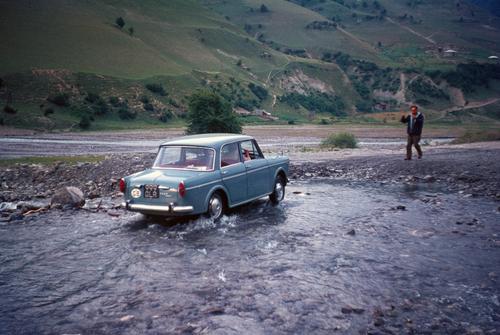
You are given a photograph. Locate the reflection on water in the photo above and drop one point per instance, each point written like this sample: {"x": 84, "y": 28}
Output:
{"x": 261, "y": 269}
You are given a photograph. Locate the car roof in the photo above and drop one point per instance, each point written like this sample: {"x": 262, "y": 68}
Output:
{"x": 211, "y": 140}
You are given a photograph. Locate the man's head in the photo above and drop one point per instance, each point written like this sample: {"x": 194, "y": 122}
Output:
{"x": 414, "y": 110}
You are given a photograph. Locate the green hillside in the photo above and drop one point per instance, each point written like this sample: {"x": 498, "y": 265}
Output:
{"x": 64, "y": 62}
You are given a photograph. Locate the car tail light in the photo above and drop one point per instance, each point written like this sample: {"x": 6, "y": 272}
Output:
{"x": 123, "y": 186}
{"x": 182, "y": 189}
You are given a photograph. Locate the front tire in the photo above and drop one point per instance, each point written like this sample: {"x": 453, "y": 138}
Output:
{"x": 278, "y": 191}
{"x": 215, "y": 207}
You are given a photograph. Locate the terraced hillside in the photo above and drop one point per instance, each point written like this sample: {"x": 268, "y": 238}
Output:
{"x": 100, "y": 64}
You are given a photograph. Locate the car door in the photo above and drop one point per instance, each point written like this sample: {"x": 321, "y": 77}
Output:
{"x": 233, "y": 173}
{"x": 257, "y": 169}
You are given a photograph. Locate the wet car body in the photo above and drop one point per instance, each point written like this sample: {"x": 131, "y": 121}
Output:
{"x": 205, "y": 174}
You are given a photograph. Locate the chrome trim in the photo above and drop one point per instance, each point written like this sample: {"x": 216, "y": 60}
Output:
{"x": 158, "y": 208}
{"x": 257, "y": 169}
{"x": 234, "y": 176}
{"x": 248, "y": 200}
{"x": 202, "y": 185}
{"x": 182, "y": 209}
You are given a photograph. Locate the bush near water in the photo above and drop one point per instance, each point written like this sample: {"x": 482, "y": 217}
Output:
{"x": 340, "y": 140}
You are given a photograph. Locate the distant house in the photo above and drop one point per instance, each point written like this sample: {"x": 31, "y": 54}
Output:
{"x": 450, "y": 53}
{"x": 242, "y": 111}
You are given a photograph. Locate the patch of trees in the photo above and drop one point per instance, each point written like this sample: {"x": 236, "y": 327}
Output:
{"x": 126, "y": 114}
{"x": 59, "y": 99}
{"x": 423, "y": 87}
{"x": 157, "y": 89}
{"x": 97, "y": 103}
{"x": 468, "y": 76}
{"x": 316, "y": 102}
{"x": 209, "y": 113}
{"x": 296, "y": 52}
{"x": 259, "y": 91}
{"x": 9, "y": 109}
{"x": 322, "y": 25}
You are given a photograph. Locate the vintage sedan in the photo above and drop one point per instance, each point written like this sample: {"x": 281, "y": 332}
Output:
{"x": 205, "y": 174}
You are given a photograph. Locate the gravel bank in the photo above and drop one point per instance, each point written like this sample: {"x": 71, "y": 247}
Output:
{"x": 469, "y": 169}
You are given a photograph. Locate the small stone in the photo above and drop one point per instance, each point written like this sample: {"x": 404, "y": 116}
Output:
{"x": 114, "y": 213}
{"x": 214, "y": 310}
{"x": 127, "y": 318}
{"x": 349, "y": 309}
{"x": 351, "y": 232}
{"x": 401, "y": 208}
{"x": 429, "y": 179}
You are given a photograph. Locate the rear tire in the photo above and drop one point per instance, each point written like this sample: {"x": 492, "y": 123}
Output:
{"x": 278, "y": 192}
{"x": 215, "y": 207}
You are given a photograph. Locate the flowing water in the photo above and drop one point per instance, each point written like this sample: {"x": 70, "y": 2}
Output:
{"x": 333, "y": 257}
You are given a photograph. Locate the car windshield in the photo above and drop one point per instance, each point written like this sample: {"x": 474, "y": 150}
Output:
{"x": 190, "y": 158}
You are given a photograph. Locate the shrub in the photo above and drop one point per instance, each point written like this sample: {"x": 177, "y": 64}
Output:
{"x": 144, "y": 99}
{"x": 156, "y": 88}
{"x": 48, "y": 111}
{"x": 114, "y": 101}
{"x": 9, "y": 109}
{"x": 92, "y": 98}
{"x": 165, "y": 116}
{"x": 84, "y": 122}
{"x": 59, "y": 99}
{"x": 126, "y": 114}
{"x": 259, "y": 91}
{"x": 149, "y": 107}
{"x": 340, "y": 140}
{"x": 209, "y": 113}
{"x": 120, "y": 22}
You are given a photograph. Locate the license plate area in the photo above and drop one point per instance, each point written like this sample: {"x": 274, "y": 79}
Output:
{"x": 151, "y": 191}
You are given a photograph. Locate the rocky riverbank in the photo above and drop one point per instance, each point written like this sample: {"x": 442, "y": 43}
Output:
{"x": 471, "y": 171}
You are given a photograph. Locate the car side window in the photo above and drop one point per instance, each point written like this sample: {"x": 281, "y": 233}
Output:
{"x": 250, "y": 150}
{"x": 229, "y": 155}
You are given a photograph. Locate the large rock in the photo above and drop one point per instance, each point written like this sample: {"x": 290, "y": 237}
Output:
{"x": 68, "y": 196}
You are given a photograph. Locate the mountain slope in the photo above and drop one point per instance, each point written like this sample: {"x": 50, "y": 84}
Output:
{"x": 316, "y": 59}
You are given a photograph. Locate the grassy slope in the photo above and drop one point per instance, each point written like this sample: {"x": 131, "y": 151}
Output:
{"x": 179, "y": 43}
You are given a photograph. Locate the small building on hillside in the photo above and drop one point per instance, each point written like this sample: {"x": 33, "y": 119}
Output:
{"x": 450, "y": 53}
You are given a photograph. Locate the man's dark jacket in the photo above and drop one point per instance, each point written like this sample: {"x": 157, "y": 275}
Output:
{"x": 418, "y": 124}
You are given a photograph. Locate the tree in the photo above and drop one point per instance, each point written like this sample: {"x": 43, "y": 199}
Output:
{"x": 209, "y": 113}
{"x": 120, "y": 22}
{"x": 264, "y": 9}
{"x": 131, "y": 31}
{"x": 84, "y": 122}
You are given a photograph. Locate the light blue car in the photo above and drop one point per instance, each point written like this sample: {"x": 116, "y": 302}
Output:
{"x": 205, "y": 174}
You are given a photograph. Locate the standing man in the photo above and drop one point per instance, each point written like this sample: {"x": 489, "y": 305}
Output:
{"x": 415, "y": 123}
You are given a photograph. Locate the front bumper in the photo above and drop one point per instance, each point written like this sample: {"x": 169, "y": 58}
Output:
{"x": 163, "y": 209}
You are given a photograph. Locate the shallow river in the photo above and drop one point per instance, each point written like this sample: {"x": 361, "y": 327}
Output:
{"x": 296, "y": 268}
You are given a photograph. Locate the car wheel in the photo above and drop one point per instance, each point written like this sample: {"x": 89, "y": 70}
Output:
{"x": 279, "y": 190}
{"x": 215, "y": 207}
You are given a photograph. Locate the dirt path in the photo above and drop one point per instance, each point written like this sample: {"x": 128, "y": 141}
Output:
{"x": 471, "y": 105}
{"x": 428, "y": 39}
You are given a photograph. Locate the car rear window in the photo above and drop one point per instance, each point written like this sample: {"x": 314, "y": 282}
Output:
{"x": 189, "y": 158}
